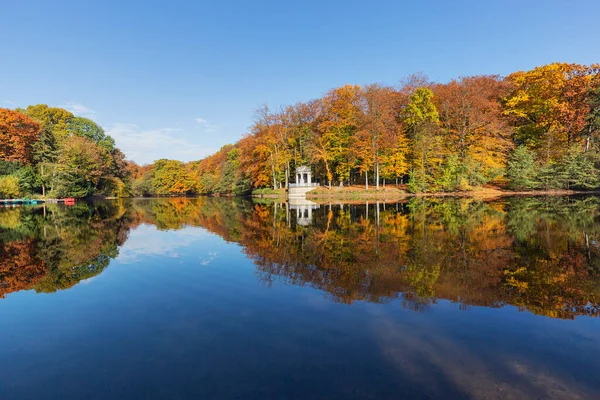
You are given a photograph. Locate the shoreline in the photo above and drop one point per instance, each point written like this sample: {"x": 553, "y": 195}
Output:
{"x": 395, "y": 194}
{"x": 325, "y": 194}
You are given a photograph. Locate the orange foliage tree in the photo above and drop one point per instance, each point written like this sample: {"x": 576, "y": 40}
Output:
{"x": 18, "y": 133}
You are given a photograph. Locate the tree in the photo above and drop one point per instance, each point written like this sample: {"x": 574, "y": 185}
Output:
{"x": 56, "y": 119}
{"x": 576, "y": 170}
{"x": 522, "y": 169}
{"x": 81, "y": 165}
{"x": 338, "y": 122}
{"x": 88, "y": 129}
{"x": 171, "y": 177}
{"x": 548, "y": 107}
{"x": 9, "y": 187}
{"x": 474, "y": 128}
{"x": 421, "y": 120}
{"x": 591, "y": 131}
{"x": 45, "y": 153}
{"x": 378, "y": 130}
{"x": 18, "y": 133}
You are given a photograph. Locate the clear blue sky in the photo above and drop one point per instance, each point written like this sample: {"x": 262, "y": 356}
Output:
{"x": 180, "y": 79}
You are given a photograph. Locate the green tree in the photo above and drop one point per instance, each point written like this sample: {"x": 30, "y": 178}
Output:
{"x": 88, "y": 129}
{"x": 522, "y": 170}
{"x": 81, "y": 165}
{"x": 45, "y": 153}
{"x": 577, "y": 170}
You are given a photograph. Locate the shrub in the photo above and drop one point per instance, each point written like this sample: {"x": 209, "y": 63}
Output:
{"x": 9, "y": 186}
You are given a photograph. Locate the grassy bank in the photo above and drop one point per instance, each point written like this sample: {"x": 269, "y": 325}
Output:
{"x": 269, "y": 193}
{"x": 392, "y": 193}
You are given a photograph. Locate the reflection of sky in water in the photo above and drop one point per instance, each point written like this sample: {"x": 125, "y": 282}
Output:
{"x": 146, "y": 240}
{"x": 185, "y": 314}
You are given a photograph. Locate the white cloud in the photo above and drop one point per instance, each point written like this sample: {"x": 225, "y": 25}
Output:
{"x": 146, "y": 146}
{"x": 8, "y": 102}
{"x": 206, "y": 127}
{"x": 79, "y": 109}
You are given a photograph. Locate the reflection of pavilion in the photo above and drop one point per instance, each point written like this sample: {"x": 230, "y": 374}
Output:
{"x": 304, "y": 210}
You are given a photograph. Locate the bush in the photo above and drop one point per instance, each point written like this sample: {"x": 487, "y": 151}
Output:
{"x": 9, "y": 187}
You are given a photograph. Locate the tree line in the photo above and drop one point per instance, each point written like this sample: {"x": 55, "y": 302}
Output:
{"x": 536, "y": 129}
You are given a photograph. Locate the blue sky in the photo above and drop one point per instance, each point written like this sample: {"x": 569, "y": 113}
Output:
{"x": 179, "y": 79}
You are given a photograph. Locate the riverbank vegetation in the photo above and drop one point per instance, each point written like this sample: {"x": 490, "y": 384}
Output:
{"x": 530, "y": 130}
{"x": 50, "y": 152}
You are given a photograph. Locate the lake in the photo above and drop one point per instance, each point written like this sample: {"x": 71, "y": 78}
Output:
{"x": 212, "y": 298}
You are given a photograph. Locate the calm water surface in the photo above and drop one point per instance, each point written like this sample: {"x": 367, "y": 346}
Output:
{"x": 222, "y": 299}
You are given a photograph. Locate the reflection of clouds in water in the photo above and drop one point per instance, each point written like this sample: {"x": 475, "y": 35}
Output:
{"x": 445, "y": 365}
{"x": 211, "y": 256}
{"x": 88, "y": 280}
{"x": 146, "y": 240}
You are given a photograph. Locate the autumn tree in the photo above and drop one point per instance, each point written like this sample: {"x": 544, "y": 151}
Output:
{"x": 18, "y": 134}
{"x": 474, "y": 129}
{"x": 591, "y": 130}
{"x": 56, "y": 119}
{"x": 338, "y": 122}
{"x": 172, "y": 177}
{"x": 421, "y": 121}
{"x": 548, "y": 107}
{"x": 378, "y": 131}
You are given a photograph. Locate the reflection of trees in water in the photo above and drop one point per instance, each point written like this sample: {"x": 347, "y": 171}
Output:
{"x": 55, "y": 247}
{"x": 539, "y": 254}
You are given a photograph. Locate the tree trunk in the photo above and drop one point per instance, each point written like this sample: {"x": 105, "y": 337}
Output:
{"x": 377, "y": 176}
{"x": 587, "y": 139}
{"x": 366, "y": 180}
{"x": 273, "y": 172}
{"x": 43, "y": 184}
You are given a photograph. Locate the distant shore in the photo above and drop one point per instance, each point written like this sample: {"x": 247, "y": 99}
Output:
{"x": 391, "y": 193}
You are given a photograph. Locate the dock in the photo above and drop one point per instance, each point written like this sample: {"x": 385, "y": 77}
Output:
{"x": 8, "y": 202}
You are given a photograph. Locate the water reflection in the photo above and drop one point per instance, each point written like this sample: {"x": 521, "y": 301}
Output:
{"x": 538, "y": 254}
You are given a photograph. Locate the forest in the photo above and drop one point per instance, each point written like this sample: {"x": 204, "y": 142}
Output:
{"x": 536, "y": 129}
{"x": 530, "y": 130}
